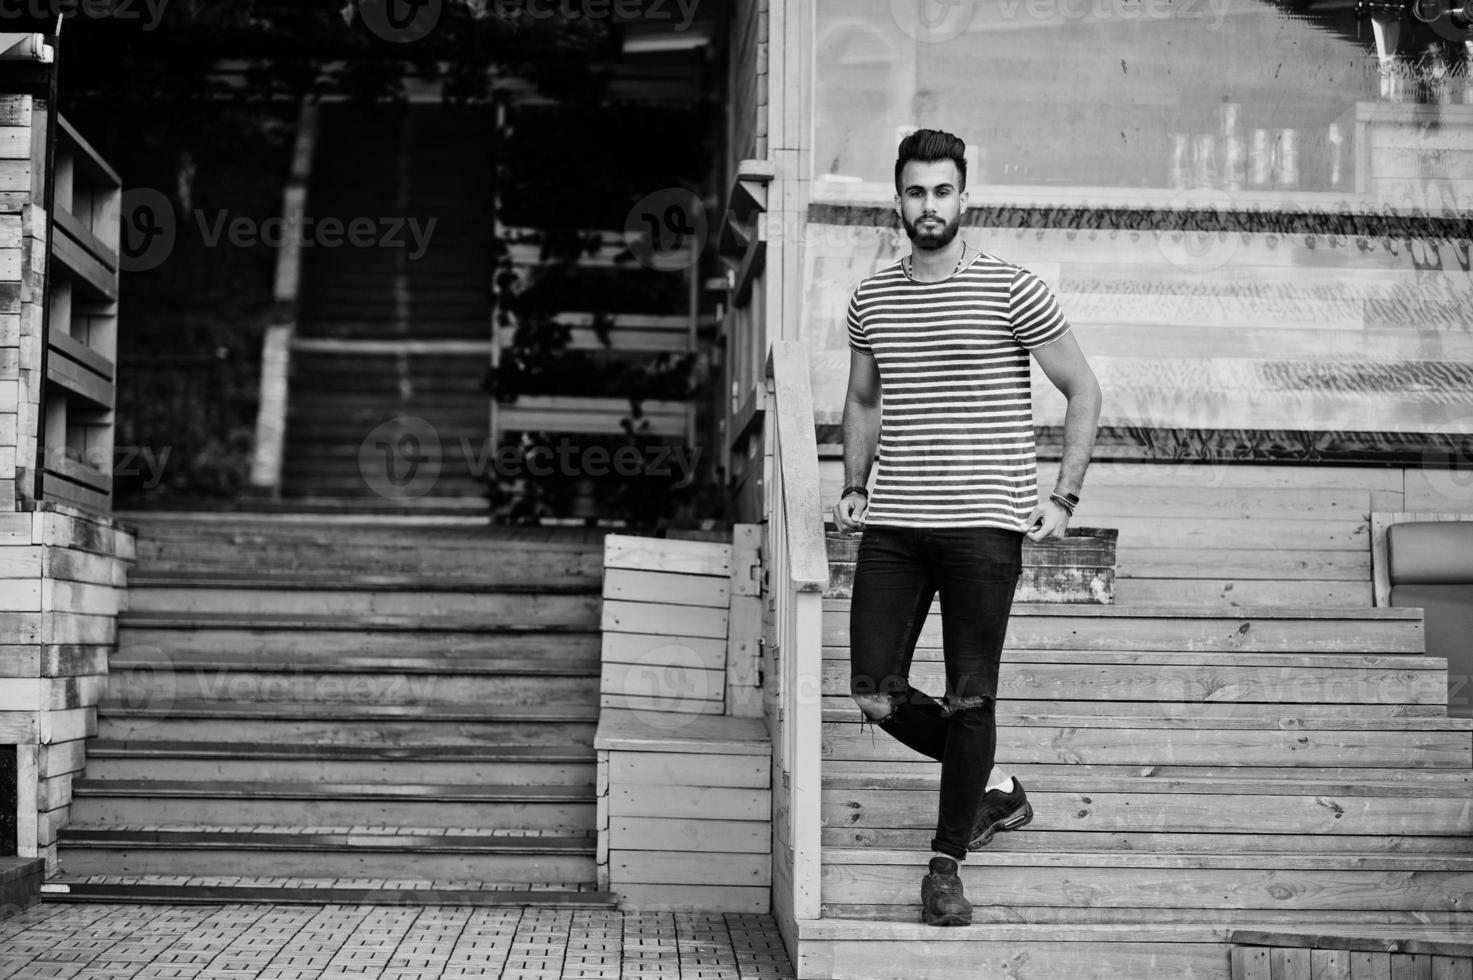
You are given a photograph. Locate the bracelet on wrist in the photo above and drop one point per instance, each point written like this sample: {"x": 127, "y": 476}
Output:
{"x": 854, "y": 488}
{"x": 1064, "y": 502}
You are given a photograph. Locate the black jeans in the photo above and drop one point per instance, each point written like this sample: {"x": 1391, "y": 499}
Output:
{"x": 898, "y": 573}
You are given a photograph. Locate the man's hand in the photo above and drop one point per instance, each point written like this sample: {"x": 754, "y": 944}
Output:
{"x": 849, "y": 512}
{"x": 1048, "y": 520}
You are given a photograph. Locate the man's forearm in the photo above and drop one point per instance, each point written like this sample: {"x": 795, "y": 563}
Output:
{"x": 1081, "y": 419}
{"x": 861, "y": 435}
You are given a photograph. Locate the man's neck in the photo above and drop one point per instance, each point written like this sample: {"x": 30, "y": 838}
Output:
{"x": 929, "y": 265}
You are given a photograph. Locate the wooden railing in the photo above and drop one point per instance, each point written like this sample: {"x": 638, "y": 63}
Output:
{"x": 79, "y": 358}
{"x": 797, "y": 574}
{"x": 276, "y": 344}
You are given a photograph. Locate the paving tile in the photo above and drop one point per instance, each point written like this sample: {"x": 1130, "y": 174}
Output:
{"x": 115, "y": 941}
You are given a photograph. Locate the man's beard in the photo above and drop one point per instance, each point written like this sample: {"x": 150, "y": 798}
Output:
{"x": 932, "y": 238}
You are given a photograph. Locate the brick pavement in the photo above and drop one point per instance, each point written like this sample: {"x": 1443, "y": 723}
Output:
{"x": 383, "y": 942}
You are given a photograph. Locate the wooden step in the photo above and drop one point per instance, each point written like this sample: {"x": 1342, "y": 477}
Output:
{"x": 894, "y": 798}
{"x": 1036, "y": 675}
{"x": 459, "y": 765}
{"x": 423, "y": 689}
{"x": 1144, "y": 741}
{"x": 335, "y": 852}
{"x": 1020, "y": 943}
{"x": 1140, "y": 561}
{"x": 352, "y": 580}
{"x": 125, "y": 802}
{"x": 511, "y": 650}
{"x": 299, "y": 890}
{"x": 1208, "y": 881}
{"x": 20, "y": 883}
{"x": 1184, "y": 628}
{"x": 368, "y": 725}
{"x": 284, "y": 609}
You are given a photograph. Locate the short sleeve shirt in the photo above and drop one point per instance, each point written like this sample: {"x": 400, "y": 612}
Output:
{"x": 956, "y": 431}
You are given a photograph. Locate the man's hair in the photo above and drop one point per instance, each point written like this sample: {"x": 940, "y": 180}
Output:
{"x": 932, "y": 146}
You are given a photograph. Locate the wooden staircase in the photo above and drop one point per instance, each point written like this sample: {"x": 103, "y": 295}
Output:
{"x": 1197, "y": 767}
{"x": 304, "y": 708}
{"x": 393, "y": 334}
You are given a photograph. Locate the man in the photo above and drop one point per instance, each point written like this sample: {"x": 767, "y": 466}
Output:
{"x": 946, "y": 333}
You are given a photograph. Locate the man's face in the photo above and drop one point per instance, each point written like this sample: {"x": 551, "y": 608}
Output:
{"x": 930, "y": 203}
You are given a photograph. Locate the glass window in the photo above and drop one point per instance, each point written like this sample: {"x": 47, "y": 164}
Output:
{"x": 1301, "y": 105}
{"x": 1254, "y": 214}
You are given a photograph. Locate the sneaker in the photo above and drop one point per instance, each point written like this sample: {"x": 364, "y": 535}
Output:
{"x": 1000, "y": 811}
{"x": 942, "y": 901}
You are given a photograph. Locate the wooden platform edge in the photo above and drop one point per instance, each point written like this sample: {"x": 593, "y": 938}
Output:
{"x": 20, "y": 884}
{"x": 625, "y": 730}
{"x": 1424, "y": 945}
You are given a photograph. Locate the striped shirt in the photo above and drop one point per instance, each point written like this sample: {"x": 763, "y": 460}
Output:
{"x": 956, "y": 424}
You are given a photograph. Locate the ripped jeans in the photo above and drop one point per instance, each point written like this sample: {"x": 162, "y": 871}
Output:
{"x": 898, "y": 573}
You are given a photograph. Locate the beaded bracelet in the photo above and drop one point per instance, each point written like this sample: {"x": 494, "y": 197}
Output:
{"x": 1064, "y": 502}
{"x": 854, "y": 488}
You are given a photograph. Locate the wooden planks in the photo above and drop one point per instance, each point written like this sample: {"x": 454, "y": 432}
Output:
{"x": 665, "y": 621}
{"x": 685, "y": 817}
{"x": 1263, "y": 955}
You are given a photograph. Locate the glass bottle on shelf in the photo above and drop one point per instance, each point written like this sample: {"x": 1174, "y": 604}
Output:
{"x": 1233, "y": 154}
{"x": 1176, "y": 170}
{"x": 1204, "y": 161}
{"x": 1335, "y": 150}
{"x": 1286, "y": 160}
{"x": 1260, "y": 160}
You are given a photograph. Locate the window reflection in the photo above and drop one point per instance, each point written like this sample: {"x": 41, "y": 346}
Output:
{"x": 1248, "y": 104}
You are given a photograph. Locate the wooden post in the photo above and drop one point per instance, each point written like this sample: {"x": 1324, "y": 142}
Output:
{"x": 744, "y": 624}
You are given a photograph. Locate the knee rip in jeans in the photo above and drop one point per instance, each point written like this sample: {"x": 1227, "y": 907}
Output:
{"x": 876, "y": 707}
{"x": 951, "y": 705}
